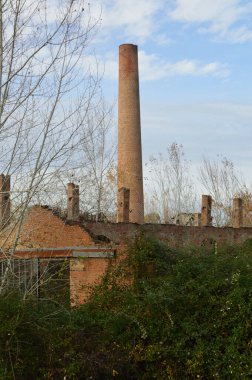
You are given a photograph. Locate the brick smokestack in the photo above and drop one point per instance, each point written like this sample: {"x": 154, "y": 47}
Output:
{"x": 123, "y": 200}
{"x": 4, "y": 200}
{"x": 73, "y": 202}
{"x": 130, "y": 174}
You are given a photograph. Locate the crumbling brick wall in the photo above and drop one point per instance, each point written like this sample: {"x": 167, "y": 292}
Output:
{"x": 42, "y": 228}
{"x": 84, "y": 274}
{"x": 175, "y": 236}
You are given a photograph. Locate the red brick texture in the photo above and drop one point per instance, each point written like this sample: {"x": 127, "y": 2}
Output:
{"x": 73, "y": 202}
{"x": 123, "y": 202}
{"x": 42, "y": 228}
{"x": 175, "y": 236}
{"x": 237, "y": 214}
{"x": 130, "y": 174}
{"x": 84, "y": 274}
{"x": 206, "y": 208}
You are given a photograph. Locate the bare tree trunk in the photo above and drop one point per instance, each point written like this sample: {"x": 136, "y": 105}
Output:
{"x": 170, "y": 184}
{"x": 223, "y": 183}
{"x": 47, "y": 89}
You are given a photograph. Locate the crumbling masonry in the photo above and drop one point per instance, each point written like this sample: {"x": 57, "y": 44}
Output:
{"x": 89, "y": 247}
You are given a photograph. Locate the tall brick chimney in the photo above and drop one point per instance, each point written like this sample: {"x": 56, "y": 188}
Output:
{"x": 130, "y": 175}
{"x": 4, "y": 200}
{"x": 123, "y": 200}
{"x": 73, "y": 202}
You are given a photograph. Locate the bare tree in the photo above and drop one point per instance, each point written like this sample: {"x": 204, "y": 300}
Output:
{"x": 99, "y": 155}
{"x": 46, "y": 91}
{"x": 223, "y": 182}
{"x": 246, "y": 196}
{"x": 94, "y": 169}
{"x": 170, "y": 184}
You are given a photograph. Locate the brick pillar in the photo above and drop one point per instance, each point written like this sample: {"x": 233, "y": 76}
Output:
{"x": 237, "y": 213}
{"x": 4, "y": 200}
{"x": 130, "y": 175}
{"x": 73, "y": 202}
{"x": 123, "y": 210}
{"x": 206, "y": 208}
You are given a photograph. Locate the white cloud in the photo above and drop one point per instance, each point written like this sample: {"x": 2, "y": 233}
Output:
{"x": 220, "y": 16}
{"x": 224, "y": 12}
{"x": 163, "y": 39}
{"x": 240, "y": 35}
{"x": 151, "y": 67}
{"x": 136, "y": 18}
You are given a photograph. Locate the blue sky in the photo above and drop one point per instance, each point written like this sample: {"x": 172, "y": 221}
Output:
{"x": 195, "y": 59}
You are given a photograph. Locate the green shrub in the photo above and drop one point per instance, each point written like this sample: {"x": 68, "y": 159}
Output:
{"x": 159, "y": 314}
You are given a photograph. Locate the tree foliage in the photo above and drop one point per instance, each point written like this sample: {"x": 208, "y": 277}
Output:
{"x": 160, "y": 313}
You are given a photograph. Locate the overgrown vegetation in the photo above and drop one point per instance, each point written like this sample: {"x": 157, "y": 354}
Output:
{"x": 160, "y": 314}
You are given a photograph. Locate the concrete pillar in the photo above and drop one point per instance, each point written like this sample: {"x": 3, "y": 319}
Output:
{"x": 206, "y": 208}
{"x": 123, "y": 210}
{"x": 130, "y": 174}
{"x": 73, "y": 202}
{"x": 4, "y": 200}
{"x": 237, "y": 213}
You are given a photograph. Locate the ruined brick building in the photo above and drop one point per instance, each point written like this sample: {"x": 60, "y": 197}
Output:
{"x": 89, "y": 247}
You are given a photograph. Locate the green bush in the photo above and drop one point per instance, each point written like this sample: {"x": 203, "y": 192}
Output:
{"x": 189, "y": 317}
{"x": 159, "y": 314}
